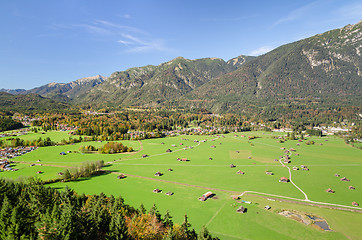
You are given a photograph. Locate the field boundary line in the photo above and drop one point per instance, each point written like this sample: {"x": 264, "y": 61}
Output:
{"x": 227, "y": 235}
{"x": 310, "y": 203}
{"x": 216, "y": 213}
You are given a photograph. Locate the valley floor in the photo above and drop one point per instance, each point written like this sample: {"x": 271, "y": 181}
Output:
{"x": 208, "y": 168}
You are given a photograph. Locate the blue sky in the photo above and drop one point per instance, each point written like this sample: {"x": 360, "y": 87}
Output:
{"x": 45, "y": 41}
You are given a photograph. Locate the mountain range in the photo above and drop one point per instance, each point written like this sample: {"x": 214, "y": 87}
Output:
{"x": 324, "y": 68}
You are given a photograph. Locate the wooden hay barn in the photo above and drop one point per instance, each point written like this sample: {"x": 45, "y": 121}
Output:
{"x": 329, "y": 190}
{"x": 284, "y": 179}
{"x": 344, "y": 179}
{"x": 158, "y": 174}
{"x": 205, "y": 196}
{"x": 241, "y": 209}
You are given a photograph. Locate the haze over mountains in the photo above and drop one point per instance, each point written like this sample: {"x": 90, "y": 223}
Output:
{"x": 327, "y": 66}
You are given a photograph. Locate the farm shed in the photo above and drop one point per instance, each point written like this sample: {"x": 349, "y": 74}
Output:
{"x": 344, "y": 179}
{"x": 241, "y": 209}
{"x": 329, "y": 190}
{"x": 205, "y": 196}
{"x": 121, "y": 176}
{"x": 158, "y": 174}
{"x": 284, "y": 179}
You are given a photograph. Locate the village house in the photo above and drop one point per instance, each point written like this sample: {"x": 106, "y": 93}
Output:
{"x": 232, "y": 166}
{"x": 269, "y": 173}
{"x": 351, "y": 187}
{"x": 295, "y": 168}
{"x": 156, "y": 190}
{"x": 240, "y": 172}
{"x": 169, "y": 193}
{"x": 355, "y": 204}
{"x": 168, "y": 150}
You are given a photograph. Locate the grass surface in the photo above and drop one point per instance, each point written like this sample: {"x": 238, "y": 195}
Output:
{"x": 189, "y": 180}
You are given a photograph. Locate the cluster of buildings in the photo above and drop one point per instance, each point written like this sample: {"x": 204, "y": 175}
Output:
{"x": 15, "y": 133}
{"x": 10, "y": 152}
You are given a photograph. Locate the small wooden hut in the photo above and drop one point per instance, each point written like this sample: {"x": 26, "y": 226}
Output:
{"x": 329, "y": 190}
{"x": 156, "y": 190}
{"x": 158, "y": 174}
{"x": 284, "y": 179}
{"x": 241, "y": 209}
{"x": 344, "y": 179}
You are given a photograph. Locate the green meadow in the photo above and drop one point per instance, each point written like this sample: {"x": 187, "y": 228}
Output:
{"x": 208, "y": 169}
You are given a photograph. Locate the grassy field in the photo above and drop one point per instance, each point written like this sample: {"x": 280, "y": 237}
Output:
{"x": 190, "y": 179}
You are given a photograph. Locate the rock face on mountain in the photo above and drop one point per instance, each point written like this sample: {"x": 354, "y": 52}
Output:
{"x": 67, "y": 91}
{"x": 162, "y": 84}
{"x": 325, "y": 66}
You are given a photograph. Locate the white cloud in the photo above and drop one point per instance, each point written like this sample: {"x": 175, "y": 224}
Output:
{"x": 353, "y": 11}
{"x": 136, "y": 44}
{"x": 261, "y": 50}
{"x": 295, "y": 14}
{"x": 126, "y": 16}
{"x": 136, "y": 40}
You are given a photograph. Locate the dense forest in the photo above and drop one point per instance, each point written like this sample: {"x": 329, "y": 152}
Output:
{"x": 7, "y": 123}
{"x": 32, "y": 211}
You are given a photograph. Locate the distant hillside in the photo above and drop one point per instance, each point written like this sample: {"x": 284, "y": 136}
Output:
{"x": 29, "y": 102}
{"x": 12, "y": 91}
{"x": 325, "y": 67}
{"x": 67, "y": 91}
{"x": 154, "y": 85}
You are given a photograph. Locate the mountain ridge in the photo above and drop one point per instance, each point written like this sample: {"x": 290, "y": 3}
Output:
{"x": 326, "y": 67}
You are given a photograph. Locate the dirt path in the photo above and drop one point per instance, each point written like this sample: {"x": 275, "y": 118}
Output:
{"x": 290, "y": 177}
{"x": 45, "y": 164}
{"x": 312, "y": 203}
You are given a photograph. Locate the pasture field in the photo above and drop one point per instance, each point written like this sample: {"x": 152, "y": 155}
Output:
{"x": 208, "y": 169}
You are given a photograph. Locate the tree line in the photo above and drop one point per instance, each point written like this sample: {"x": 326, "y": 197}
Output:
{"x": 32, "y": 211}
